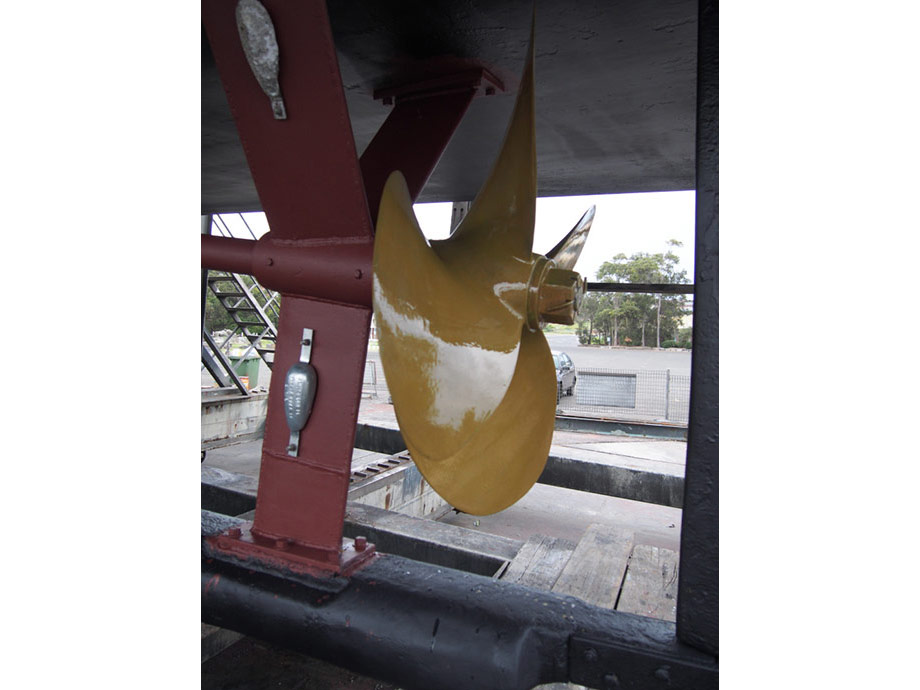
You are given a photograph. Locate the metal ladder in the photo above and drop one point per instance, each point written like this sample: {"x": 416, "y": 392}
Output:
{"x": 251, "y": 315}
{"x": 251, "y": 307}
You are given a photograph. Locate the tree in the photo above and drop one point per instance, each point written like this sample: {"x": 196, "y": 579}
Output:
{"x": 637, "y": 317}
{"x": 591, "y": 305}
{"x": 216, "y": 316}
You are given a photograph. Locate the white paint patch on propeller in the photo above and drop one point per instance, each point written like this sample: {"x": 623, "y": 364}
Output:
{"x": 507, "y": 293}
{"x": 465, "y": 379}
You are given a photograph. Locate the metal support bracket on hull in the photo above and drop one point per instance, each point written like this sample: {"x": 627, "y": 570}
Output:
{"x": 320, "y": 201}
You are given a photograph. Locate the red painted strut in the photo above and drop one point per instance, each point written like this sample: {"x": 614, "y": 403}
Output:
{"x": 316, "y": 194}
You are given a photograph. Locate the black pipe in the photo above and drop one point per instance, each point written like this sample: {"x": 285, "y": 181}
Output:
{"x": 423, "y": 626}
{"x": 650, "y": 288}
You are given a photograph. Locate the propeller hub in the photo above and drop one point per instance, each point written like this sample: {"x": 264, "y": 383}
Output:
{"x": 553, "y": 294}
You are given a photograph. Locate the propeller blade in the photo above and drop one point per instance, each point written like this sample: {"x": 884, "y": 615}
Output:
{"x": 469, "y": 370}
{"x": 505, "y": 453}
{"x": 566, "y": 253}
{"x": 501, "y": 217}
{"x": 439, "y": 331}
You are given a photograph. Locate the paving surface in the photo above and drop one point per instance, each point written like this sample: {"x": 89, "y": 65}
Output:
{"x": 548, "y": 510}
{"x": 246, "y": 458}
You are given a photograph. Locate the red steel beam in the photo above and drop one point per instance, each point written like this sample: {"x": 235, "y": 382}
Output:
{"x": 306, "y": 172}
{"x": 227, "y": 254}
{"x": 300, "y": 165}
{"x": 412, "y": 140}
{"x": 330, "y": 270}
{"x": 318, "y": 255}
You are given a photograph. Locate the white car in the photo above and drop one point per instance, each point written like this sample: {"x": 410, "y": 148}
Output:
{"x": 565, "y": 374}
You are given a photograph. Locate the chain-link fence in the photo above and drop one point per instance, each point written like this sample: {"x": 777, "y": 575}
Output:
{"x": 647, "y": 395}
{"x": 373, "y": 381}
{"x": 629, "y": 394}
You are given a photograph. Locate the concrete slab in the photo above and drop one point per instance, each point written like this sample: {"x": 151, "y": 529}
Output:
{"x": 243, "y": 458}
{"x": 547, "y": 510}
{"x": 609, "y": 455}
{"x": 565, "y": 513}
{"x": 246, "y": 458}
{"x": 674, "y": 452}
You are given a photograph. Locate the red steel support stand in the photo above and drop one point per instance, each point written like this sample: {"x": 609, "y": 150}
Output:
{"x": 318, "y": 255}
{"x": 416, "y": 132}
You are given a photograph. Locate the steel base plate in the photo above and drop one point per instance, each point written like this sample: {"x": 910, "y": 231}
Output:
{"x": 253, "y": 549}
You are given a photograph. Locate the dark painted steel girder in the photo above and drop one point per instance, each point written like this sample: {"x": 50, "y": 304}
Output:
{"x": 424, "y": 626}
{"x": 698, "y": 585}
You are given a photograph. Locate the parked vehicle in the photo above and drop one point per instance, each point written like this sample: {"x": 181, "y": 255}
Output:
{"x": 565, "y": 375}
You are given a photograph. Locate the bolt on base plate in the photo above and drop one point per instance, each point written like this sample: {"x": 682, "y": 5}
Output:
{"x": 241, "y": 543}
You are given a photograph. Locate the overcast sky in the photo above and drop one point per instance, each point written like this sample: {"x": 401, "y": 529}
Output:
{"x": 627, "y": 223}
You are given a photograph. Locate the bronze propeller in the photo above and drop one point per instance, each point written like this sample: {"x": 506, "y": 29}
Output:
{"x": 459, "y": 326}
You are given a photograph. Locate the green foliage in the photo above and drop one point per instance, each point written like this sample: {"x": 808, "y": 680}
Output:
{"x": 623, "y": 318}
{"x": 669, "y": 343}
{"x": 558, "y": 328}
{"x": 217, "y": 318}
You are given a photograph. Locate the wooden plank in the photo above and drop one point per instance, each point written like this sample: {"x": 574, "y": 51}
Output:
{"x": 650, "y": 588}
{"x": 518, "y": 566}
{"x": 594, "y": 573}
{"x": 420, "y": 528}
{"x": 595, "y": 570}
{"x": 426, "y": 540}
{"x": 539, "y": 562}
